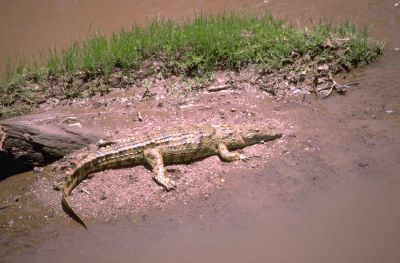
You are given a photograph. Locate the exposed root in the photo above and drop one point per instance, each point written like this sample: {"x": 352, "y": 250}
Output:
{"x": 340, "y": 88}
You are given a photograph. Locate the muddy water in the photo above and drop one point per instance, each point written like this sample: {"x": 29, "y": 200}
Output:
{"x": 357, "y": 222}
{"x": 345, "y": 211}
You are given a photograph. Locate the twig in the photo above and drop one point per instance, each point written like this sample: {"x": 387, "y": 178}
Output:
{"x": 26, "y": 100}
{"x": 2, "y": 138}
{"x": 219, "y": 88}
{"x": 324, "y": 88}
{"x": 147, "y": 94}
{"x": 4, "y": 206}
{"x": 256, "y": 156}
{"x": 340, "y": 88}
{"x": 41, "y": 170}
{"x": 160, "y": 57}
{"x": 85, "y": 191}
{"x": 330, "y": 91}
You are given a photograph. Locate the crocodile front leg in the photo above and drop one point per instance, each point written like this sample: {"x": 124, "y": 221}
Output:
{"x": 228, "y": 156}
{"x": 155, "y": 160}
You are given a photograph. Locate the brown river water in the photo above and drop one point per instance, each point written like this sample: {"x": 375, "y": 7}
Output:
{"x": 348, "y": 212}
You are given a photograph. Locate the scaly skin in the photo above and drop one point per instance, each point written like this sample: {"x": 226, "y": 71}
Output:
{"x": 181, "y": 144}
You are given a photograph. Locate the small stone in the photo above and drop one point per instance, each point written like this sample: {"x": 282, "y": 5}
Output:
{"x": 222, "y": 180}
{"x": 78, "y": 125}
{"x": 276, "y": 109}
{"x": 103, "y": 197}
{"x": 233, "y": 110}
{"x": 139, "y": 116}
{"x": 57, "y": 186}
{"x": 362, "y": 164}
{"x": 324, "y": 67}
{"x": 296, "y": 91}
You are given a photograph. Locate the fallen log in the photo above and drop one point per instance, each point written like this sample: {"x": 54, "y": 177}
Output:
{"x": 36, "y": 140}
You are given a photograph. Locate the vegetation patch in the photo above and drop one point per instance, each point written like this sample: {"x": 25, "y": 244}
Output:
{"x": 193, "y": 49}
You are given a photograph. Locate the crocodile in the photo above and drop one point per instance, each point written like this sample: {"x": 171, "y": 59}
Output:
{"x": 181, "y": 144}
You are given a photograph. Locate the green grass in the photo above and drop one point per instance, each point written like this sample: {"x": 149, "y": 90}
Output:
{"x": 194, "y": 49}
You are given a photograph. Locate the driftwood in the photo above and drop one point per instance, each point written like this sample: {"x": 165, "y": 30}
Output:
{"x": 340, "y": 88}
{"x": 37, "y": 140}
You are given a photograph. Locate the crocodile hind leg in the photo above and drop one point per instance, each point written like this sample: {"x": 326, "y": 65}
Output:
{"x": 228, "y": 156}
{"x": 155, "y": 160}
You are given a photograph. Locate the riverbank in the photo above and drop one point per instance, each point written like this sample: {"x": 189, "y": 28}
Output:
{"x": 191, "y": 50}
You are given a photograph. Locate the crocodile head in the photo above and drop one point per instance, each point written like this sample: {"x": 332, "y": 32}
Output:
{"x": 254, "y": 134}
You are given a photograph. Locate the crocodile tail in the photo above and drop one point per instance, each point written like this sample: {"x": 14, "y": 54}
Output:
{"x": 67, "y": 209}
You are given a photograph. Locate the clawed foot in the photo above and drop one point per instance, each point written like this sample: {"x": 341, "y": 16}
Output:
{"x": 244, "y": 158}
{"x": 167, "y": 183}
